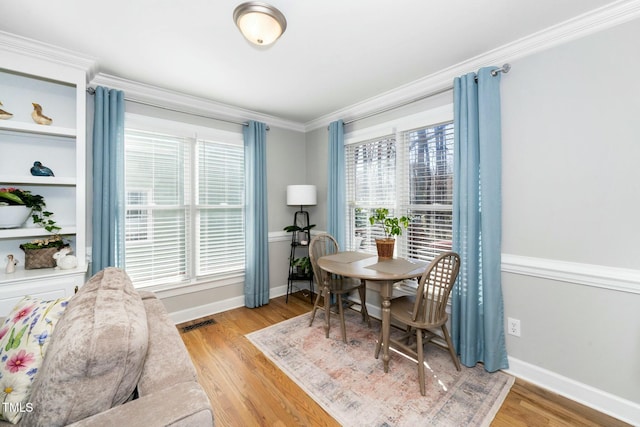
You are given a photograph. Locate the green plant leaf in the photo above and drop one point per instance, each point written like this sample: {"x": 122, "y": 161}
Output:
{"x": 12, "y": 197}
{"x": 392, "y": 226}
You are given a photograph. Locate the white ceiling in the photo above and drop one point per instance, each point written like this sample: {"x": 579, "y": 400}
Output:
{"x": 335, "y": 53}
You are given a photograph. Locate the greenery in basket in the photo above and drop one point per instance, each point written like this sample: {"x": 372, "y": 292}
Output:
{"x": 16, "y": 197}
{"x": 55, "y": 241}
{"x": 392, "y": 226}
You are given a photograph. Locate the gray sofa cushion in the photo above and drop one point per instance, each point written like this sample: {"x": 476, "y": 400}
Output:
{"x": 96, "y": 354}
{"x": 168, "y": 361}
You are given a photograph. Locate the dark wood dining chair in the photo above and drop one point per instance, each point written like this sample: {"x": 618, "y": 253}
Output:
{"x": 425, "y": 312}
{"x": 330, "y": 284}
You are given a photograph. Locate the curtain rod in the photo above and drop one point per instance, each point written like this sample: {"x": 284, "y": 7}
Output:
{"x": 504, "y": 69}
{"x": 92, "y": 91}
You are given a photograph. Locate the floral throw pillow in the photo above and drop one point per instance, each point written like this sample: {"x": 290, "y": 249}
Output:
{"x": 24, "y": 337}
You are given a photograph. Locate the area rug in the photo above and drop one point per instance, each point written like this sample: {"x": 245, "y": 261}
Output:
{"x": 350, "y": 384}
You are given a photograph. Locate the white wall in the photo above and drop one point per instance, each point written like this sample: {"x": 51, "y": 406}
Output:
{"x": 571, "y": 192}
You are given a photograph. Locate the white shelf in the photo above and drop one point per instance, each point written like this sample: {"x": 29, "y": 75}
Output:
{"x": 39, "y": 273}
{"x": 34, "y": 128}
{"x": 38, "y": 180}
{"x": 26, "y": 232}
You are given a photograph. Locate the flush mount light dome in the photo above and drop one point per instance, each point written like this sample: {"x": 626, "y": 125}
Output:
{"x": 260, "y": 23}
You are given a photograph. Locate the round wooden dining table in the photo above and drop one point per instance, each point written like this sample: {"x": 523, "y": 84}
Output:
{"x": 378, "y": 272}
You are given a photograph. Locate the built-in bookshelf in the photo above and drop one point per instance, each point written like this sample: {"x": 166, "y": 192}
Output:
{"x": 26, "y": 77}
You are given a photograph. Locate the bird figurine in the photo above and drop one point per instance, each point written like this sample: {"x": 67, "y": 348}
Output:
{"x": 39, "y": 169}
{"x": 38, "y": 117}
{"x": 5, "y": 114}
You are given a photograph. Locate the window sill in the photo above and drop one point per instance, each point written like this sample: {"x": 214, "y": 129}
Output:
{"x": 196, "y": 285}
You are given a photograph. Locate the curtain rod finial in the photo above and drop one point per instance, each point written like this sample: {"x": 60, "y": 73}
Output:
{"x": 504, "y": 69}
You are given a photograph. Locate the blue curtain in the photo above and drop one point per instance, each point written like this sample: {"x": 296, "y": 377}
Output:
{"x": 477, "y": 309}
{"x": 108, "y": 180}
{"x": 256, "y": 285}
{"x": 336, "y": 187}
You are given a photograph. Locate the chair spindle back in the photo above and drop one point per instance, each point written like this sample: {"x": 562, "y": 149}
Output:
{"x": 321, "y": 245}
{"x": 435, "y": 287}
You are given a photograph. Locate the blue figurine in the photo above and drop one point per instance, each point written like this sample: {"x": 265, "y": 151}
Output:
{"x": 39, "y": 169}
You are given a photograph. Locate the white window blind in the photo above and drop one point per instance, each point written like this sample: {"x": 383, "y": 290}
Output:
{"x": 220, "y": 208}
{"x": 410, "y": 173}
{"x": 184, "y": 212}
{"x": 371, "y": 183}
{"x": 426, "y": 190}
{"x": 157, "y": 190}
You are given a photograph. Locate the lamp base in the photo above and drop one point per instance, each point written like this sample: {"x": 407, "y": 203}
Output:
{"x": 301, "y": 219}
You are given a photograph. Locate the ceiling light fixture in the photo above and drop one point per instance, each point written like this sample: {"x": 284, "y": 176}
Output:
{"x": 260, "y": 23}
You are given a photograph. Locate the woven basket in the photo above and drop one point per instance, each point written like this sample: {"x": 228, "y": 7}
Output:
{"x": 39, "y": 258}
{"x": 385, "y": 247}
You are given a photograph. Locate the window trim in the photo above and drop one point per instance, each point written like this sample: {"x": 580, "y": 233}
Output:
{"x": 397, "y": 127}
{"x": 144, "y": 123}
{"x": 180, "y": 129}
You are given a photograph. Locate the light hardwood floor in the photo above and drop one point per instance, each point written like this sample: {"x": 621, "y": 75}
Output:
{"x": 246, "y": 389}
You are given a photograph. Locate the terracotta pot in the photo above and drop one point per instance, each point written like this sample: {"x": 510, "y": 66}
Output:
{"x": 385, "y": 247}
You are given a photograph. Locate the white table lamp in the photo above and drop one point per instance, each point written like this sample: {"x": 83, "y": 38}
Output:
{"x": 301, "y": 195}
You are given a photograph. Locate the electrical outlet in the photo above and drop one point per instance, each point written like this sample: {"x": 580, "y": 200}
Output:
{"x": 513, "y": 326}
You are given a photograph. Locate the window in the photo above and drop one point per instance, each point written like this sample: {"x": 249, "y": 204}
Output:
{"x": 137, "y": 216}
{"x": 409, "y": 172}
{"x": 184, "y": 217}
{"x": 429, "y": 199}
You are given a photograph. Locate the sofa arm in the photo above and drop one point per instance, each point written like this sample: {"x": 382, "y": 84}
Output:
{"x": 182, "y": 405}
{"x": 168, "y": 361}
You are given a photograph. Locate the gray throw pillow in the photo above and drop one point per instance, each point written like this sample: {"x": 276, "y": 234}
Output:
{"x": 96, "y": 354}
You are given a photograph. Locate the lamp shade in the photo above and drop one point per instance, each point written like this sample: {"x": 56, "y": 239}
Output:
{"x": 301, "y": 195}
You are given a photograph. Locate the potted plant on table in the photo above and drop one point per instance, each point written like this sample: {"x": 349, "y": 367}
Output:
{"x": 392, "y": 226}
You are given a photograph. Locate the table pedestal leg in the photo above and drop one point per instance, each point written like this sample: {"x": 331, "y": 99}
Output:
{"x": 385, "y": 292}
{"x": 327, "y": 305}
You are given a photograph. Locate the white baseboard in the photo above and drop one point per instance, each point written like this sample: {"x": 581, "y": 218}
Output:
{"x": 205, "y": 310}
{"x": 602, "y": 401}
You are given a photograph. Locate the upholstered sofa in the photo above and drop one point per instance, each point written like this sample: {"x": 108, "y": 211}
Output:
{"x": 115, "y": 359}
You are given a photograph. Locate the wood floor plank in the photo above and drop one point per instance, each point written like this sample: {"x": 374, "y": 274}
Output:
{"x": 246, "y": 389}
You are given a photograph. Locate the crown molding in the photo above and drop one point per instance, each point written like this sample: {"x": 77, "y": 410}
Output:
{"x": 24, "y": 46}
{"x": 145, "y": 93}
{"x": 580, "y": 26}
{"x": 591, "y": 22}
